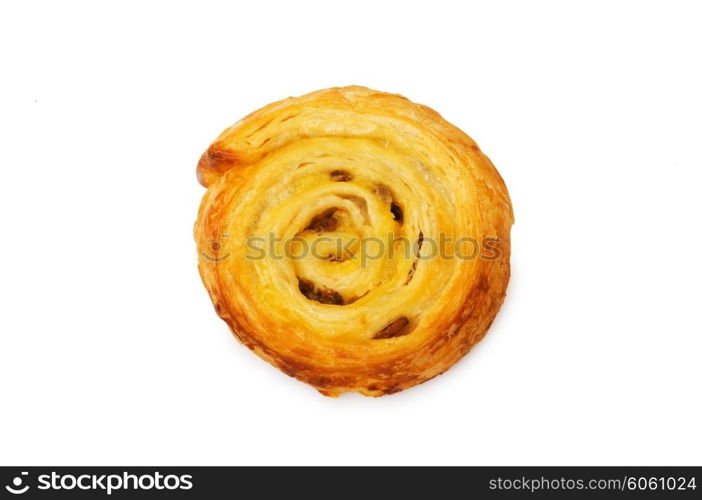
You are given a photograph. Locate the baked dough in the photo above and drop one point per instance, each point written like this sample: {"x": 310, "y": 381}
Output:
{"x": 353, "y": 165}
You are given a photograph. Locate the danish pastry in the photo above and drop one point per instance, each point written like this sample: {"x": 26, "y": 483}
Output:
{"x": 353, "y": 239}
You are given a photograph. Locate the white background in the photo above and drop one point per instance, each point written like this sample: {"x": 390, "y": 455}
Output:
{"x": 110, "y": 351}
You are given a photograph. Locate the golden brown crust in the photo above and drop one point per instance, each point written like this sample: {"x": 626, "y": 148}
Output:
{"x": 353, "y": 163}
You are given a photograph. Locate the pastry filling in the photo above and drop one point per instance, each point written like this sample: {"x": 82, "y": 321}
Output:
{"x": 324, "y": 222}
{"x": 397, "y": 328}
{"x": 411, "y": 272}
{"x": 396, "y": 212}
{"x": 340, "y": 176}
{"x": 321, "y": 294}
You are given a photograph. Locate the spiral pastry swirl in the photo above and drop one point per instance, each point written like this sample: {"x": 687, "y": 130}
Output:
{"x": 355, "y": 240}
